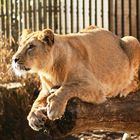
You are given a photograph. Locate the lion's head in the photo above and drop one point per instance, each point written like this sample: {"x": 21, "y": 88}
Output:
{"x": 33, "y": 52}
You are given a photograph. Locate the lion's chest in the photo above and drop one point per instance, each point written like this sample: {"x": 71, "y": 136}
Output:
{"x": 50, "y": 80}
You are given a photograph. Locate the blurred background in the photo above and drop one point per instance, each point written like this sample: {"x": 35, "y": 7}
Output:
{"x": 17, "y": 94}
{"x": 65, "y": 16}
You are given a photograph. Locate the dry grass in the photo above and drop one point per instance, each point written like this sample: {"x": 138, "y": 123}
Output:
{"x": 5, "y": 57}
{"x": 15, "y": 102}
{"x": 6, "y": 74}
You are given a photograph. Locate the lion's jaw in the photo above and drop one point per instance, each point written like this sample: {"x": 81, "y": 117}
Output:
{"x": 18, "y": 69}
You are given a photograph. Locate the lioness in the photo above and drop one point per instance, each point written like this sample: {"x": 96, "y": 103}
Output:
{"x": 92, "y": 66}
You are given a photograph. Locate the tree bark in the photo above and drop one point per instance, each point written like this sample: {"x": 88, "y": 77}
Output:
{"x": 116, "y": 114}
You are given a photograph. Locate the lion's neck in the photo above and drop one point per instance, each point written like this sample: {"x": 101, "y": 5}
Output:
{"x": 55, "y": 73}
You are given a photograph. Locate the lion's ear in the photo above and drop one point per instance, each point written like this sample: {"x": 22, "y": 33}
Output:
{"x": 24, "y": 34}
{"x": 47, "y": 36}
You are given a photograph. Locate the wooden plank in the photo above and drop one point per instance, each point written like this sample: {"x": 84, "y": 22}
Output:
{"x": 130, "y": 17}
{"x": 37, "y": 14}
{"x": 25, "y": 14}
{"x": 138, "y": 19}
{"x": 16, "y": 32}
{"x": 106, "y": 13}
{"x": 71, "y": 14}
{"x": 27, "y": 11}
{"x": 20, "y": 16}
{"x": 95, "y": 12}
{"x": 133, "y": 18}
{"x": 116, "y": 17}
{"x": 83, "y": 13}
{"x": 50, "y": 13}
{"x": 10, "y": 20}
{"x": 12, "y": 8}
{"x": 126, "y": 18}
{"x": 60, "y": 18}
{"x": 77, "y": 15}
{"x": 2, "y": 18}
{"x": 34, "y": 15}
{"x": 30, "y": 14}
{"x": 122, "y": 15}
{"x": 40, "y": 14}
{"x": 7, "y": 18}
{"x": 111, "y": 15}
{"x": 55, "y": 17}
{"x": 102, "y": 12}
{"x": 66, "y": 17}
{"x": 90, "y": 12}
{"x": 45, "y": 12}
{"x": 119, "y": 18}
{"x": 99, "y": 14}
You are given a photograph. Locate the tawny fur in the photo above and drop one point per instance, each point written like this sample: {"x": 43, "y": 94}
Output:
{"x": 92, "y": 65}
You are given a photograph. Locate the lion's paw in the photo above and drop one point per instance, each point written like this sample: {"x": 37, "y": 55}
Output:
{"x": 55, "y": 107}
{"x": 37, "y": 118}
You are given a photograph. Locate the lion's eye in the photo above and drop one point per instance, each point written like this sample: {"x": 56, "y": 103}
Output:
{"x": 31, "y": 46}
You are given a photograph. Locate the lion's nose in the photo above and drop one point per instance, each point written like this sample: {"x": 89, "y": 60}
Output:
{"x": 16, "y": 60}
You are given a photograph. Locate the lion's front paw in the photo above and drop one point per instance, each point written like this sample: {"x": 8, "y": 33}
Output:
{"x": 37, "y": 118}
{"x": 55, "y": 107}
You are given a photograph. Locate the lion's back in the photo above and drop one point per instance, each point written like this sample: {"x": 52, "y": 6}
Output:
{"x": 109, "y": 63}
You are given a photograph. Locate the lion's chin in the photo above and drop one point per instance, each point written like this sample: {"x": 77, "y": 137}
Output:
{"x": 19, "y": 71}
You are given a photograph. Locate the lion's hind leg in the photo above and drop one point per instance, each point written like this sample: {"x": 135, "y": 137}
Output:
{"x": 131, "y": 47}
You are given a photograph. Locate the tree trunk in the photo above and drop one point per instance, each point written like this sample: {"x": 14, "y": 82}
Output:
{"x": 116, "y": 114}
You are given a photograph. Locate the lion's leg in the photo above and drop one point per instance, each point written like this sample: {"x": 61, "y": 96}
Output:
{"x": 38, "y": 114}
{"x": 57, "y": 101}
{"x": 132, "y": 87}
{"x": 132, "y": 48}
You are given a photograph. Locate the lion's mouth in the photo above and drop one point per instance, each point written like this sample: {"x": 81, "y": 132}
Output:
{"x": 20, "y": 69}
{"x": 27, "y": 69}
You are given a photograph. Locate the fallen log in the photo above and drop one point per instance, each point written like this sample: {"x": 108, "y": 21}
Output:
{"x": 117, "y": 114}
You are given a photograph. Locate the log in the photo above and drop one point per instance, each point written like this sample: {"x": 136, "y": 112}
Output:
{"x": 119, "y": 114}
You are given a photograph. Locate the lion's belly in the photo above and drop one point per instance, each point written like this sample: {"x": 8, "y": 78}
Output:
{"x": 111, "y": 67}
{"x": 114, "y": 80}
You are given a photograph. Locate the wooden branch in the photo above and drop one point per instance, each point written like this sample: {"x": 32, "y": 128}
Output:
{"x": 116, "y": 114}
